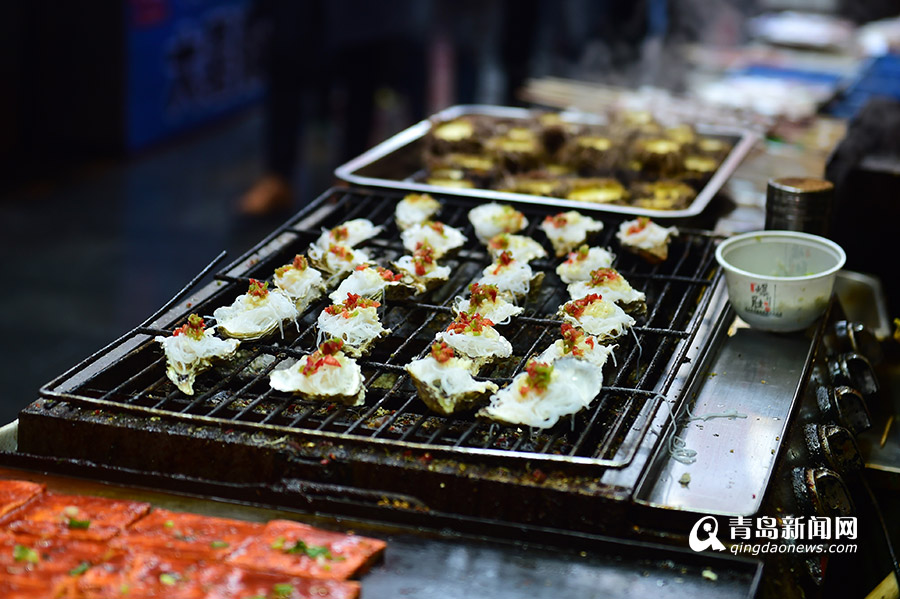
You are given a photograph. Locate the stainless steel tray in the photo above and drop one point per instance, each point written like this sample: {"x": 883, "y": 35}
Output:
{"x": 395, "y": 163}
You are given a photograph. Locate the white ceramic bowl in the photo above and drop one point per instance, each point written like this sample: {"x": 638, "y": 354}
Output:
{"x": 780, "y": 280}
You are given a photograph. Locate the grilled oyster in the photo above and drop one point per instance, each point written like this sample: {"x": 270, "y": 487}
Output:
{"x": 521, "y": 247}
{"x": 518, "y": 149}
{"x": 349, "y": 234}
{"x": 591, "y": 154}
{"x": 190, "y": 350}
{"x": 489, "y": 302}
{"x": 644, "y": 237}
{"x": 414, "y": 209}
{"x": 355, "y": 322}
{"x": 337, "y": 259}
{"x": 256, "y": 313}
{"x": 325, "y": 375}
{"x": 545, "y": 392}
{"x": 489, "y": 220}
{"x": 580, "y": 263}
{"x": 300, "y": 282}
{"x": 445, "y": 383}
{"x": 442, "y": 238}
{"x": 576, "y": 344}
{"x": 511, "y": 276}
{"x": 613, "y": 287}
{"x": 421, "y": 270}
{"x": 596, "y": 316}
{"x": 371, "y": 281}
{"x": 475, "y": 337}
{"x": 568, "y": 230}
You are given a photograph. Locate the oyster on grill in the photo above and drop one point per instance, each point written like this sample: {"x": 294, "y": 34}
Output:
{"x": 191, "y": 349}
{"x": 596, "y": 316}
{"x": 300, "y": 282}
{"x": 545, "y": 392}
{"x": 350, "y": 233}
{"x": 327, "y": 374}
{"x": 371, "y": 281}
{"x": 475, "y": 337}
{"x": 488, "y": 301}
{"x": 613, "y": 287}
{"x": 337, "y": 259}
{"x": 421, "y": 270}
{"x": 355, "y": 322}
{"x": 644, "y": 237}
{"x": 255, "y": 314}
{"x": 442, "y": 238}
{"x": 511, "y": 276}
{"x": 568, "y": 230}
{"x": 414, "y": 209}
{"x": 489, "y": 220}
{"x": 522, "y": 248}
{"x": 576, "y": 344}
{"x": 580, "y": 263}
{"x": 444, "y": 381}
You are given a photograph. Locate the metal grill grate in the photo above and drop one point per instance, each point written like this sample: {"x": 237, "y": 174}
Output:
{"x": 237, "y": 394}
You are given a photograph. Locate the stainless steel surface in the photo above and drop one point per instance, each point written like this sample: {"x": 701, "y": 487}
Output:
{"x": 740, "y": 404}
{"x": 351, "y": 172}
{"x": 800, "y": 204}
{"x": 862, "y": 299}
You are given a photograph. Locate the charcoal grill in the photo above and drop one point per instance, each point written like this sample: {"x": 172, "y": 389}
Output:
{"x": 238, "y": 395}
{"x": 605, "y": 471}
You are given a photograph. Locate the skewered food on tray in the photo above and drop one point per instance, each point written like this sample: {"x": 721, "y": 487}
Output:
{"x": 579, "y": 264}
{"x": 327, "y": 374}
{"x": 444, "y": 381}
{"x": 646, "y": 238}
{"x": 257, "y": 313}
{"x": 545, "y": 392}
{"x": 594, "y": 190}
{"x": 414, "y": 209}
{"x": 662, "y": 195}
{"x": 355, "y": 321}
{"x": 568, "y": 230}
{"x": 190, "y": 350}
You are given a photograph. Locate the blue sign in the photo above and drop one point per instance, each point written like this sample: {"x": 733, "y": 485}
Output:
{"x": 188, "y": 62}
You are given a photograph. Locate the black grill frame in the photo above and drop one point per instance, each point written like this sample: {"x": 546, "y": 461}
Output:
{"x": 607, "y": 434}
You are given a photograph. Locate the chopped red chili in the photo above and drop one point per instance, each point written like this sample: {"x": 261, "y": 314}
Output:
{"x": 472, "y": 324}
{"x": 340, "y": 233}
{"x": 481, "y": 294}
{"x": 576, "y": 308}
{"x": 639, "y": 226}
{"x": 193, "y": 329}
{"x": 538, "y": 380}
{"x": 258, "y": 288}
{"x": 603, "y": 275}
{"x": 503, "y": 260}
{"x": 441, "y": 351}
{"x": 387, "y": 274}
{"x": 557, "y": 220}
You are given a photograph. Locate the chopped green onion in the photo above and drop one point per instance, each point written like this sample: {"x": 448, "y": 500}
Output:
{"x": 21, "y": 553}
{"x": 167, "y": 579}
{"x": 80, "y": 569}
{"x": 277, "y": 543}
{"x": 282, "y": 591}
{"x": 169, "y": 524}
{"x": 79, "y": 524}
{"x": 218, "y": 544}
